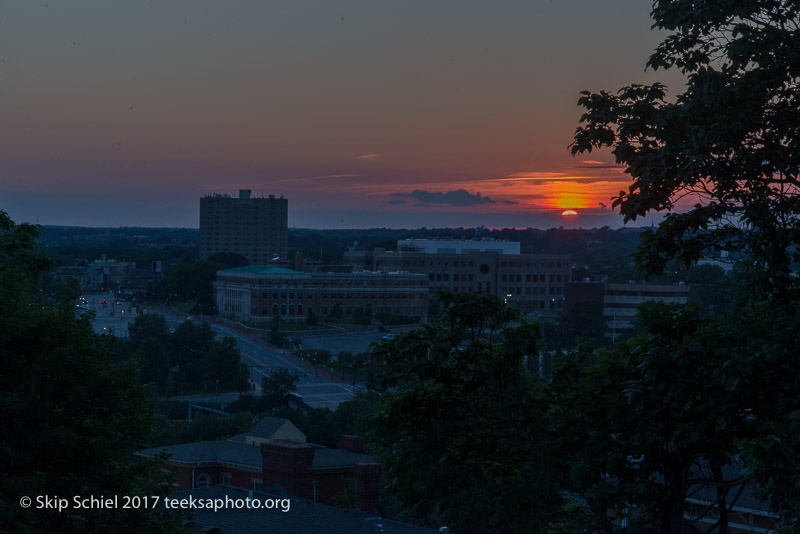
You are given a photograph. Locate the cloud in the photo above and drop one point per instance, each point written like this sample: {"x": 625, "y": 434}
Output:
{"x": 334, "y": 176}
{"x": 510, "y": 202}
{"x": 593, "y": 162}
{"x": 369, "y": 156}
{"x": 397, "y": 201}
{"x": 535, "y": 174}
{"x": 602, "y": 166}
{"x": 458, "y": 198}
{"x": 574, "y": 179}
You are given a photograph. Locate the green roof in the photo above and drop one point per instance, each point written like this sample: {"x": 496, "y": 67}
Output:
{"x": 260, "y": 269}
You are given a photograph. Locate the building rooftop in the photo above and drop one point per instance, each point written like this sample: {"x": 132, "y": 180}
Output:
{"x": 245, "y": 451}
{"x": 260, "y": 269}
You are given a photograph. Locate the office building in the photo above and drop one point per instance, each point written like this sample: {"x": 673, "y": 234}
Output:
{"x": 255, "y": 227}
{"x": 620, "y": 302}
{"x": 259, "y": 293}
{"x": 531, "y": 282}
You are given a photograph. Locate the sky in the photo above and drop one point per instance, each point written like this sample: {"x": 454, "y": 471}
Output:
{"x": 362, "y": 113}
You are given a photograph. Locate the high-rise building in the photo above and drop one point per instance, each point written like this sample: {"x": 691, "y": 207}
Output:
{"x": 255, "y": 227}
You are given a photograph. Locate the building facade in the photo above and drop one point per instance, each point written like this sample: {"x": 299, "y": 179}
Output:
{"x": 259, "y": 293}
{"x": 256, "y": 228}
{"x": 620, "y": 302}
{"x": 531, "y": 282}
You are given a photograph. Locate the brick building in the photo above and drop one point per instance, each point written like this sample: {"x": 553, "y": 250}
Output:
{"x": 276, "y": 452}
{"x": 528, "y": 281}
{"x": 256, "y": 228}
{"x": 258, "y": 293}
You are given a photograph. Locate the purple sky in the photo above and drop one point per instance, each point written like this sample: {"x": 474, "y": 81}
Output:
{"x": 362, "y": 114}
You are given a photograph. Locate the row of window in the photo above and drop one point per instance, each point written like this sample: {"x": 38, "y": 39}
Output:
{"x": 534, "y": 278}
{"x": 326, "y": 295}
{"x": 445, "y": 277}
{"x": 324, "y": 283}
{"x": 553, "y": 290}
{"x": 299, "y": 310}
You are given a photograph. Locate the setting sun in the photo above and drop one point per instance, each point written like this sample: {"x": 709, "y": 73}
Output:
{"x": 569, "y": 212}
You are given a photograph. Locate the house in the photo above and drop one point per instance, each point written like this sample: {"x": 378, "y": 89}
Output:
{"x": 274, "y": 451}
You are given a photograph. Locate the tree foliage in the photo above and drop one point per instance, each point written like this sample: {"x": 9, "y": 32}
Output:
{"x": 696, "y": 401}
{"x": 654, "y": 421}
{"x": 729, "y": 142}
{"x": 277, "y": 387}
{"x": 72, "y": 416}
{"x": 461, "y": 428}
{"x": 186, "y": 360}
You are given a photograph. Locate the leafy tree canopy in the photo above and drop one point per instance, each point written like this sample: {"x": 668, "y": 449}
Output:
{"x": 729, "y": 142}
{"x": 72, "y": 416}
{"x": 278, "y": 385}
{"x": 462, "y": 427}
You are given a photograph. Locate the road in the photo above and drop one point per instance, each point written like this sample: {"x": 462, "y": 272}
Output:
{"x": 110, "y": 317}
{"x": 317, "y": 392}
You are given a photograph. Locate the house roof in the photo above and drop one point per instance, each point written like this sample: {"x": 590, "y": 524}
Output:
{"x": 209, "y": 452}
{"x": 303, "y": 516}
{"x": 237, "y": 452}
{"x": 267, "y": 427}
{"x": 331, "y": 458}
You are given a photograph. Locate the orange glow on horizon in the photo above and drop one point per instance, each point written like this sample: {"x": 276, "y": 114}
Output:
{"x": 569, "y": 212}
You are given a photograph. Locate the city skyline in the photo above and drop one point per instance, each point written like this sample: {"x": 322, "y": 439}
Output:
{"x": 361, "y": 114}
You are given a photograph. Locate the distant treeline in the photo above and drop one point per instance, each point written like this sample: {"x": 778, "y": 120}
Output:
{"x": 69, "y": 245}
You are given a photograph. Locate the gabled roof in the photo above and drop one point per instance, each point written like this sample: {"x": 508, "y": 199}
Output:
{"x": 267, "y": 427}
{"x": 303, "y": 516}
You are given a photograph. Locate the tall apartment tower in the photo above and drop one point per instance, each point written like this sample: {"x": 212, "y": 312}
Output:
{"x": 256, "y": 228}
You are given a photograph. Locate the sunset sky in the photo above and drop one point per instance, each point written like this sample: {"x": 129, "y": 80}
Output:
{"x": 362, "y": 114}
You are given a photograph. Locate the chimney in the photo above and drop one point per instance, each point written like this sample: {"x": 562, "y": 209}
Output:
{"x": 368, "y": 483}
{"x": 351, "y": 443}
{"x": 288, "y": 463}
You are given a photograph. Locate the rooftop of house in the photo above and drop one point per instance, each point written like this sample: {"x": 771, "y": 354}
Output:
{"x": 302, "y": 517}
{"x": 244, "y": 449}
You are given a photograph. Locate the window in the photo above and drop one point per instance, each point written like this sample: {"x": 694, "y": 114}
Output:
{"x": 258, "y": 484}
{"x": 203, "y": 481}
{"x": 227, "y": 479}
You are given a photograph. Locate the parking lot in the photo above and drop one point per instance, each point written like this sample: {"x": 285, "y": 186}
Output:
{"x": 336, "y": 343}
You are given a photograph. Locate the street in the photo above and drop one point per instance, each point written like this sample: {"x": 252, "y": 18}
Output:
{"x": 317, "y": 391}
